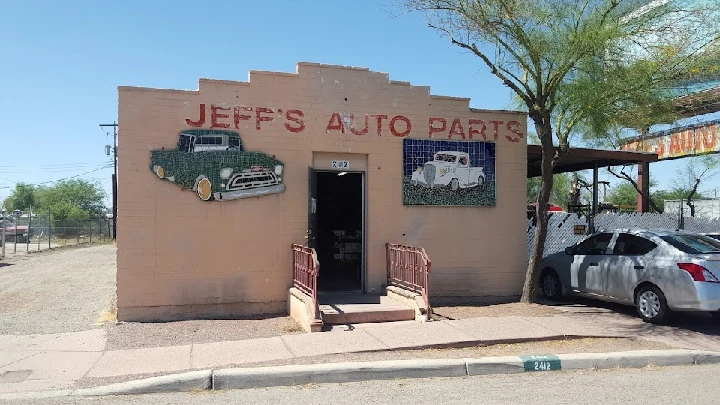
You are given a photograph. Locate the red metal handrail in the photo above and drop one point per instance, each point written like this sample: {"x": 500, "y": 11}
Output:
{"x": 305, "y": 273}
{"x": 408, "y": 267}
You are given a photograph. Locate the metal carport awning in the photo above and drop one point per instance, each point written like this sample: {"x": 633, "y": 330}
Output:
{"x": 577, "y": 159}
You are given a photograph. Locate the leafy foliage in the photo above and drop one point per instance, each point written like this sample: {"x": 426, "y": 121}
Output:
{"x": 580, "y": 67}
{"x": 75, "y": 199}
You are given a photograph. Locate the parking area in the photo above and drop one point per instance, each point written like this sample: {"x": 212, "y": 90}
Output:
{"x": 60, "y": 291}
{"x": 71, "y": 289}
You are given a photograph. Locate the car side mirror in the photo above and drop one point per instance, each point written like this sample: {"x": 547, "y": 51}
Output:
{"x": 570, "y": 250}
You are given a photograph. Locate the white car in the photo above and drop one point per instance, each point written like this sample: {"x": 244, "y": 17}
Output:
{"x": 449, "y": 169}
{"x": 657, "y": 271}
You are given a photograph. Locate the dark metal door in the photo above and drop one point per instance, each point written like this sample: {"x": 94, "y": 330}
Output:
{"x": 312, "y": 208}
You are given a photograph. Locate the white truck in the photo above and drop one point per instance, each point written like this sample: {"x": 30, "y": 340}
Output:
{"x": 449, "y": 169}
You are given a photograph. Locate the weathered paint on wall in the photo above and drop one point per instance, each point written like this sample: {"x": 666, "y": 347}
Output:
{"x": 681, "y": 142}
{"x": 397, "y": 125}
{"x": 179, "y": 257}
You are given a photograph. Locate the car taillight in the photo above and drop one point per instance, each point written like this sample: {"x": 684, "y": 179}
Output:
{"x": 698, "y": 272}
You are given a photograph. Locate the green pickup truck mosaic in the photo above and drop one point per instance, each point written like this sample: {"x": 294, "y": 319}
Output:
{"x": 214, "y": 164}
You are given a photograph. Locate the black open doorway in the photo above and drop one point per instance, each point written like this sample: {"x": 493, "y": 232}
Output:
{"x": 339, "y": 230}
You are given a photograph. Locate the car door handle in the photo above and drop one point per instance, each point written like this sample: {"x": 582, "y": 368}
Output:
{"x": 639, "y": 267}
{"x": 593, "y": 264}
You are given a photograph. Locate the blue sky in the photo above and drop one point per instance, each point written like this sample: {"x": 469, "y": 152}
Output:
{"x": 62, "y": 63}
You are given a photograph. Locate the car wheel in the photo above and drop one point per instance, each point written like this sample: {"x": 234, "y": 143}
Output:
{"x": 232, "y": 148}
{"x": 454, "y": 184}
{"x": 550, "y": 285}
{"x": 651, "y": 304}
{"x": 481, "y": 183}
{"x": 204, "y": 189}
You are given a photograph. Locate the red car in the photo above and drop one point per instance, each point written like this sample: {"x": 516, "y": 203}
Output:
{"x": 20, "y": 230}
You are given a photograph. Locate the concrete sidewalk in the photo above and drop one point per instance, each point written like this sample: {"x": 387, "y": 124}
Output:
{"x": 59, "y": 361}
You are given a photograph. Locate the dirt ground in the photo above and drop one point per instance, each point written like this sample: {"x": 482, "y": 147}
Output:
{"x": 135, "y": 335}
{"x": 56, "y": 291}
{"x": 510, "y": 309}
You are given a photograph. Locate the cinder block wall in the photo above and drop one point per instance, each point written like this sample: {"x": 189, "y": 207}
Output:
{"x": 180, "y": 257}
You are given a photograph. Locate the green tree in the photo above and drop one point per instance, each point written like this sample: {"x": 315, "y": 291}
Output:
{"x": 623, "y": 194}
{"x": 560, "y": 194}
{"x": 22, "y": 198}
{"x": 572, "y": 64}
{"x": 75, "y": 199}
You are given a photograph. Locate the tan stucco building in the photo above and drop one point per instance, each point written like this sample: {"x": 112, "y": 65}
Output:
{"x": 392, "y": 163}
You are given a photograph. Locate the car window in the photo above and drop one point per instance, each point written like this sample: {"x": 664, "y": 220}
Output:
{"x": 234, "y": 141}
{"x": 463, "y": 160}
{"x": 594, "y": 245}
{"x": 693, "y": 244}
{"x": 627, "y": 244}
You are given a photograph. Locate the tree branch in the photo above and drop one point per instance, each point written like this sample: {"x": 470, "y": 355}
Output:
{"x": 527, "y": 97}
{"x": 624, "y": 176}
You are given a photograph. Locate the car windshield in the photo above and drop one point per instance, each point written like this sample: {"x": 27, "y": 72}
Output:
{"x": 693, "y": 244}
{"x": 445, "y": 158}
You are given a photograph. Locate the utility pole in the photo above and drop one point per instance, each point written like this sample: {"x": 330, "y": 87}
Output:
{"x": 114, "y": 177}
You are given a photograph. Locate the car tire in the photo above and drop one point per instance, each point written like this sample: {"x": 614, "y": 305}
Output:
{"x": 454, "y": 184}
{"x": 550, "y": 285}
{"x": 481, "y": 183}
{"x": 651, "y": 304}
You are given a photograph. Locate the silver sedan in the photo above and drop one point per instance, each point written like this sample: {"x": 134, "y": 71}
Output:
{"x": 657, "y": 271}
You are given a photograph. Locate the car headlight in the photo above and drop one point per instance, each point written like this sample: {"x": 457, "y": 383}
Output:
{"x": 443, "y": 171}
{"x": 419, "y": 169}
{"x": 278, "y": 169}
{"x": 225, "y": 173}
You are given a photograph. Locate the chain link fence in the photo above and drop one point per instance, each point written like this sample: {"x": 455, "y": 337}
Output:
{"x": 41, "y": 232}
{"x": 561, "y": 226}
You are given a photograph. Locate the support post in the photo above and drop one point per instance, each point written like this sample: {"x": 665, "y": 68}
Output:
{"x": 2, "y": 233}
{"x": 594, "y": 208}
{"x": 27, "y": 238}
{"x": 643, "y": 181}
{"x": 114, "y": 218}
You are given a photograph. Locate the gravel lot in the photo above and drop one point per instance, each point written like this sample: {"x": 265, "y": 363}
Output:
{"x": 475, "y": 311}
{"x": 135, "y": 335}
{"x": 59, "y": 291}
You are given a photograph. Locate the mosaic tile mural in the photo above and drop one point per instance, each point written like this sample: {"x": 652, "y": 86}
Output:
{"x": 448, "y": 173}
{"x": 214, "y": 164}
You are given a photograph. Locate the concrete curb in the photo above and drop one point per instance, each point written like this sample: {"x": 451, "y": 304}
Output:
{"x": 239, "y": 378}
{"x": 260, "y": 377}
{"x": 191, "y": 381}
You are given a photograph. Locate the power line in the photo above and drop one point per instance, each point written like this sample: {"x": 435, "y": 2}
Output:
{"x": 106, "y": 166}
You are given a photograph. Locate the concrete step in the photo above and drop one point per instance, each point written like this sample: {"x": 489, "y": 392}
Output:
{"x": 341, "y": 309}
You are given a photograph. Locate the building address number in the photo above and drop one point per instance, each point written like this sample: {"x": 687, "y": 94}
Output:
{"x": 340, "y": 164}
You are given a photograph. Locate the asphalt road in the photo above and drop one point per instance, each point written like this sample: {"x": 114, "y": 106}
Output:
{"x": 670, "y": 385}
